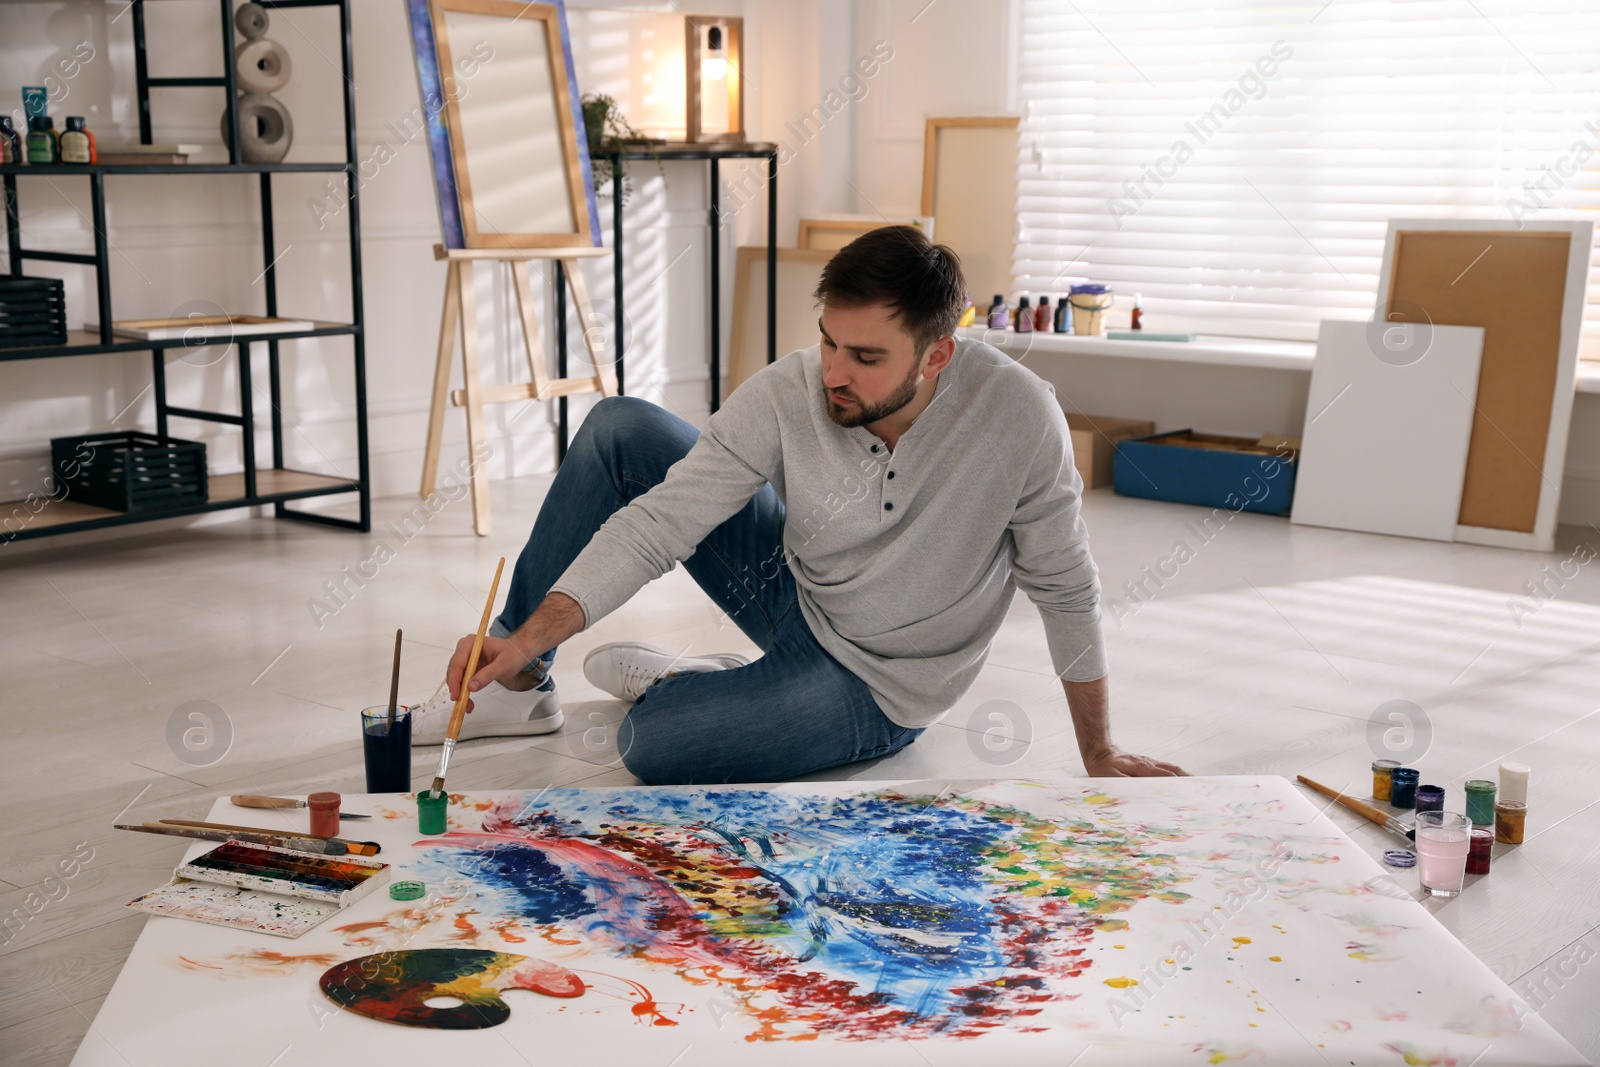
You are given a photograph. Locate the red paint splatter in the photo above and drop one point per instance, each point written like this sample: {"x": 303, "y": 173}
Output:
{"x": 197, "y": 963}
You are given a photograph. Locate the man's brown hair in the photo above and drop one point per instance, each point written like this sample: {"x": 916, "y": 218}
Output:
{"x": 899, "y": 267}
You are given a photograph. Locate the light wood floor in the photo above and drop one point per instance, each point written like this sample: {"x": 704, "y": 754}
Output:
{"x": 1265, "y": 654}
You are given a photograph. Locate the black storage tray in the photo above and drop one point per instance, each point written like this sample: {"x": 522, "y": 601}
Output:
{"x": 129, "y": 471}
{"x": 33, "y": 311}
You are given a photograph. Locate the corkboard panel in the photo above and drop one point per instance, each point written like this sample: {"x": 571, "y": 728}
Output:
{"x": 1514, "y": 285}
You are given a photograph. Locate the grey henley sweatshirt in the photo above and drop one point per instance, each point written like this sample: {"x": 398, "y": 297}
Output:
{"x": 904, "y": 562}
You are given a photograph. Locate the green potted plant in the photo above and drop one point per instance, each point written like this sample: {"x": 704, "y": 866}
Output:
{"x": 610, "y": 132}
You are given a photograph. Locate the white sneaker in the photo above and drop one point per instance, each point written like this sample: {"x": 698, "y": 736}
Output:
{"x": 496, "y": 712}
{"x": 625, "y": 669}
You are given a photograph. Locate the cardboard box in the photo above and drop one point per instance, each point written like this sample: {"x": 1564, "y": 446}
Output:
{"x": 1231, "y": 473}
{"x": 1094, "y": 443}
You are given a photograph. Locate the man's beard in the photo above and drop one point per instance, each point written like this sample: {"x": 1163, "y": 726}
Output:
{"x": 863, "y": 415}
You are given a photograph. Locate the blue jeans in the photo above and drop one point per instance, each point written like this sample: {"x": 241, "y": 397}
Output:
{"x": 793, "y": 711}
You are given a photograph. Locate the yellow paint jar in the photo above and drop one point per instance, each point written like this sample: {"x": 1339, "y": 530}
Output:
{"x": 1382, "y": 777}
{"x": 1510, "y": 818}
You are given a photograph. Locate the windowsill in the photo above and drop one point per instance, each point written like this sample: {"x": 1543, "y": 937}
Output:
{"x": 1205, "y": 348}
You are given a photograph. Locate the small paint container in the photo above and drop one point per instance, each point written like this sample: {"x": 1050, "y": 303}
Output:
{"x": 1403, "y": 788}
{"x": 1510, "y": 818}
{"x": 324, "y": 814}
{"x": 1430, "y": 798}
{"x": 1480, "y": 801}
{"x": 1479, "y": 847}
{"x": 1381, "y": 781}
{"x": 407, "y": 890}
{"x": 432, "y": 814}
{"x": 1514, "y": 782}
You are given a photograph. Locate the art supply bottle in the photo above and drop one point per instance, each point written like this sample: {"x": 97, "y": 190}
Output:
{"x": 10, "y": 144}
{"x": 1430, "y": 798}
{"x": 44, "y": 145}
{"x": 1381, "y": 770}
{"x": 1024, "y": 316}
{"x": 324, "y": 814}
{"x": 1403, "y": 787}
{"x": 1514, "y": 782}
{"x": 1042, "y": 322}
{"x": 1479, "y": 848}
{"x": 1480, "y": 801}
{"x": 1510, "y": 819}
{"x": 35, "y": 102}
{"x": 968, "y": 312}
{"x": 1137, "y": 317}
{"x": 77, "y": 143}
{"x": 998, "y": 313}
{"x": 1063, "y": 317}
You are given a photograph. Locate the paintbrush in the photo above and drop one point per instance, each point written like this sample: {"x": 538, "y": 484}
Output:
{"x": 394, "y": 683}
{"x": 460, "y": 712}
{"x": 360, "y": 848}
{"x": 299, "y": 844}
{"x": 251, "y": 800}
{"x": 1361, "y": 807}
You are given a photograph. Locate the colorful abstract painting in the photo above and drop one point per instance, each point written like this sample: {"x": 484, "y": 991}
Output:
{"x": 1136, "y": 921}
{"x": 853, "y": 916}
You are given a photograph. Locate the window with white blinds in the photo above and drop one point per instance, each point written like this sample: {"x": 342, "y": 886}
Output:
{"x": 1236, "y": 162}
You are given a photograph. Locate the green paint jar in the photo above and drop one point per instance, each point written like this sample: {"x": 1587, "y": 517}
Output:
{"x": 432, "y": 813}
{"x": 1480, "y": 801}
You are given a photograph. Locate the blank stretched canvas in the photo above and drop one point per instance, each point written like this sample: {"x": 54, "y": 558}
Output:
{"x": 1388, "y": 422}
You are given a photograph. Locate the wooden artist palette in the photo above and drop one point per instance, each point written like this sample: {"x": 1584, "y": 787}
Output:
{"x": 394, "y": 987}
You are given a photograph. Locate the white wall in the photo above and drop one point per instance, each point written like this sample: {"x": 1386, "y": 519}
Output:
{"x": 847, "y": 146}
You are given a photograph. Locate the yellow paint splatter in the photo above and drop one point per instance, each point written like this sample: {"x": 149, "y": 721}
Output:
{"x": 1099, "y": 799}
{"x": 1121, "y": 983}
{"x": 1119, "y": 946}
{"x": 1275, "y": 959}
{"x": 1241, "y": 941}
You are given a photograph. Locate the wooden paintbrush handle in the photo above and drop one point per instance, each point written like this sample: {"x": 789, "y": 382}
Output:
{"x": 247, "y": 800}
{"x": 1360, "y": 807}
{"x": 460, "y": 712}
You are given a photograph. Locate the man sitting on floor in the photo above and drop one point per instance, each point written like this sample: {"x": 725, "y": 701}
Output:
{"x": 863, "y": 511}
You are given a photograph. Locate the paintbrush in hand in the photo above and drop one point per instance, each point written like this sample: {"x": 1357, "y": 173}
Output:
{"x": 1362, "y": 808}
{"x": 459, "y": 714}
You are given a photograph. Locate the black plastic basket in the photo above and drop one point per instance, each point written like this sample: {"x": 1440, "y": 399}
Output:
{"x": 33, "y": 311}
{"x": 129, "y": 471}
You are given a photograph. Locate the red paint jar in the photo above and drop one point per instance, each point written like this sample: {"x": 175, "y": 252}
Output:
{"x": 324, "y": 814}
{"x": 1478, "y": 851}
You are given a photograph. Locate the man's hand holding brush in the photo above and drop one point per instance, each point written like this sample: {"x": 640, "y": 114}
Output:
{"x": 503, "y": 659}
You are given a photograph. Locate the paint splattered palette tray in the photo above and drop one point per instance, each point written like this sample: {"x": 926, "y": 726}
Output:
{"x": 1129, "y": 921}
{"x": 263, "y": 888}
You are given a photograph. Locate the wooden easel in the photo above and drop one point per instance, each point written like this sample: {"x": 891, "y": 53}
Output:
{"x": 460, "y": 306}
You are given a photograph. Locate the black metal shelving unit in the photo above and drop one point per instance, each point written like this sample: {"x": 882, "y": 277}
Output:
{"x": 276, "y": 485}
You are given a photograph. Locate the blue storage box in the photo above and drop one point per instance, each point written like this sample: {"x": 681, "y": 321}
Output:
{"x": 1184, "y": 467}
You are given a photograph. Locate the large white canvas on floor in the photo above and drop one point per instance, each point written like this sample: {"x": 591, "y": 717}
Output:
{"x": 1086, "y": 922}
{"x": 1388, "y": 422}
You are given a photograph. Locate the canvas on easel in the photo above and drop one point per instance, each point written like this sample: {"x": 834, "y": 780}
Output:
{"x": 514, "y": 183}
{"x": 1525, "y": 287}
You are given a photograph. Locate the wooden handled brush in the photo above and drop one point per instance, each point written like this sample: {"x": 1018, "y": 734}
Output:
{"x": 460, "y": 713}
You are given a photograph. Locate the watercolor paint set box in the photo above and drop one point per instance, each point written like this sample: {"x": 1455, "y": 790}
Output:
{"x": 264, "y": 888}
